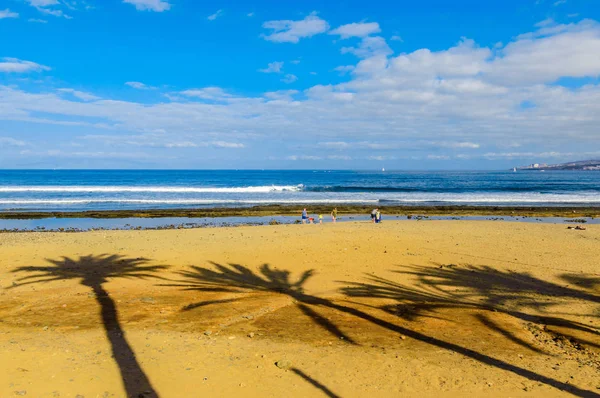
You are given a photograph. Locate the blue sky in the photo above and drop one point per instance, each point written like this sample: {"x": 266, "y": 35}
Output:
{"x": 313, "y": 84}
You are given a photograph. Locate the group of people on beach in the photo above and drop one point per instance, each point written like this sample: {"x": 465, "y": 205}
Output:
{"x": 311, "y": 220}
{"x": 375, "y": 216}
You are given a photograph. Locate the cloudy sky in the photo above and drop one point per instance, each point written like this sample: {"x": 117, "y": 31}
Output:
{"x": 432, "y": 84}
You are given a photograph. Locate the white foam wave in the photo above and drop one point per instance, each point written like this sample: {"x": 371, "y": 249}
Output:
{"x": 175, "y": 201}
{"x": 496, "y": 200}
{"x": 151, "y": 189}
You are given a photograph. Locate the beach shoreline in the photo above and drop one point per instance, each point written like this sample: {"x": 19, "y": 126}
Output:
{"x": 292, "y": 210}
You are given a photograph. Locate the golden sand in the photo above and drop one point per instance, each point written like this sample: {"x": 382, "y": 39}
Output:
{"x": 444, "y": 308}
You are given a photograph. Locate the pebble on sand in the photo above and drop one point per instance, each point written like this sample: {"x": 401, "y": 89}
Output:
{"x": 283, "y": 364}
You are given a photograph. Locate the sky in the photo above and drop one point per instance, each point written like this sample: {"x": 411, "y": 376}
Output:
{"x": 265, "y": 84}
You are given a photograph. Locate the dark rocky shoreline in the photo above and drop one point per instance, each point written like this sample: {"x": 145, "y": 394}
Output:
{"x": 291, "y": 210}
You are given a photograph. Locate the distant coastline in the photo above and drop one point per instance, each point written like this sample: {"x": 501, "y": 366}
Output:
{"x": 580, "y": 165}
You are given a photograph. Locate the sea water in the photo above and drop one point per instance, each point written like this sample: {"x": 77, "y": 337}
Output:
{"x": 75, "y": 190}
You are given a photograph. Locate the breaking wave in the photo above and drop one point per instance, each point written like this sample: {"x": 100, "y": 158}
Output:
{"x": 152, "y": 189}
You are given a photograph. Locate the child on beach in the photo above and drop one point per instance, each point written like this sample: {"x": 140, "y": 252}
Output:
{"x": 378, "y": 217}
{"x": 304, "y": 216}
{"x": 334, "y": 214}
{"x": 374, "y": 215}
{"x": 320, "y": 218}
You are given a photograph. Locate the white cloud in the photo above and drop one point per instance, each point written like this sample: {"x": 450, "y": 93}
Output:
{"x": 14, "y": 65}
{"x": 469, "y": 145}
{"x": 344, "y": 69}
{"x": 369, "y": 46}
{"x": 381, "y": 158}
{"x": 335, "y": 145}
{"x": 273, "y": 67}
{"x": 159, "y": 140}
{"x": 214, "y": 16}
{"x": 42, "y": 3}
{"x": 139, "y": 86}
{"x": 303, "y": 157}
{"x": 8, "y": 14}
{"x": 48, "y": 7}
{"x": 396, "y": 38}
{"x": 551, "y": 52}
{"x": 224, "y": 144}
{"x": 531, "y": 155}
{"x": 79, "y": 94}
{"x": 413, "y": 144}
{"x": 287, "y": 31}
{"x": 185, "y": 144}
{"x": 360, "y": 29}
{"x": 545, "y": 22}
{"x": 438, "y": 157}
{"x": 289, "y": 78}
{"x": 250, "y": 14}
{"x": 56, "y": 13}
{"x": 8, "y": 141}
{"x": 214, "y": 144}
{"x": 281, "y": 95}
{"x": 85, "y": 154}
{"x": 209, "y": 93}
{"x": 36, "y": 20}
{"x": 339, "y": 157}
{"x": 150, "y": 5}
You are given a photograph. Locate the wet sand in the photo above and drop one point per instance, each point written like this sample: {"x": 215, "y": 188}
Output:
{"x": 354, "y": 309}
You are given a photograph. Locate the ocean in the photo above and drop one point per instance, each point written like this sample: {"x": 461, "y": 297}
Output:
{"x": 75, "y": 190}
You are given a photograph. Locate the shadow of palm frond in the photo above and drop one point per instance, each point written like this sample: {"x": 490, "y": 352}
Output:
{"x": 500, "y": 287}
{"x": 520, "y": 295}
{"x": 236, "y": 278}
{"x": 584, "y": 282}
{"x": 93, "y": 272}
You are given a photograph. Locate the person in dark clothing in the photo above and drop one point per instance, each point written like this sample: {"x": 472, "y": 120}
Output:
{"x": 374, "y": 214}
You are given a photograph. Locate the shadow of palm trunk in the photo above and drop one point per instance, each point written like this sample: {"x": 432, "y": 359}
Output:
{"x": 315, "y": 383}
{"x": 93, "y": 271}
{"x": 462, "y": 350}
{"x": 135, "y": 382}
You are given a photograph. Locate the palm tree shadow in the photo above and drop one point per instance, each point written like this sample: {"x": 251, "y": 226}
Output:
{"x": 236, "y": 278}
{"x": 481, "y": 288}
{"x": 94, "y": 272}
{"x": 476, "y": 287}
{"x": 515, "y": 293}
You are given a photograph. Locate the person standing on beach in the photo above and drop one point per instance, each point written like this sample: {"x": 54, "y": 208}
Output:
{"x": 304, "y": 216}
{"x": 378, "y": 217}
{"x": 374, "y": 215}
{"x": 334, "y": 214}
{"x": 320, "y": 218}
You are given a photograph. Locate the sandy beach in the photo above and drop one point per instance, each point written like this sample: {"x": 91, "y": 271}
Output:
{"x": 431, "y": 308}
